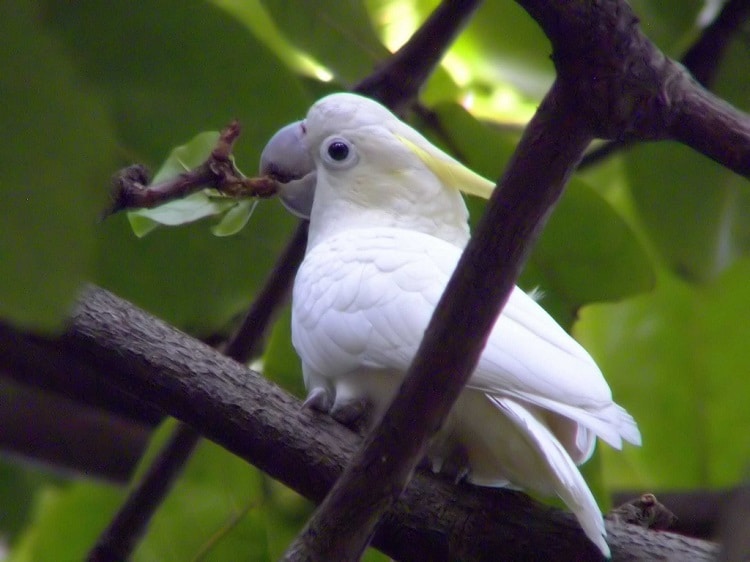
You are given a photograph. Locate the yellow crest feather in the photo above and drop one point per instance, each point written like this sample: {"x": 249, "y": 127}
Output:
{"x": 451, "y": 172}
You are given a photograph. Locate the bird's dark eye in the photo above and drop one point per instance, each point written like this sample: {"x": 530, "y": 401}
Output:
{"x": 338, "y": 153}
{"x": 338, "y": 150}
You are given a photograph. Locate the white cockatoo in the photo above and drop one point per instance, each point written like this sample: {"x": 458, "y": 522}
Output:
{"x": 387, "y": 227}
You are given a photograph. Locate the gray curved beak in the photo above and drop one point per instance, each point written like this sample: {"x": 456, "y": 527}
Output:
{"x": 286, "y": 159}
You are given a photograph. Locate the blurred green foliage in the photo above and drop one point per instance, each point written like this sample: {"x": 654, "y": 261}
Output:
{"x": 646, "y": 258}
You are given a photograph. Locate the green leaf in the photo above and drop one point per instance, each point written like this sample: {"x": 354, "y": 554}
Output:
{"x": 19, "y": 484}
{"x": 338, "y": 34}
{"x": 236, "y": 218}
{"x": 586, "y": 253}
{"x": 256, "y": 18}
{"x": 484, "y": 149}
{"x": 695, "y": 211}
{"x": 194, "y": 207}
{"x": 141, "y": 225}
{"x": 216, "y": 509}
{"x": 202, "y": 69}
{"x": 56, "y": 160}
{"x": 67, "y": 522}
{"x": 188, "y": 276}
{"x": 519, "y": 56}
{"x": 187, "y": 156}
{"x": 732, "y": 82}
{"x": 497, "y": 71}
{"x": 676, "y": 360}
{"x": 671, "y": 24}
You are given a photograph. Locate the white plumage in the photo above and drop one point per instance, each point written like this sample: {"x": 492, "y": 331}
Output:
{"x": 387, "y": 226}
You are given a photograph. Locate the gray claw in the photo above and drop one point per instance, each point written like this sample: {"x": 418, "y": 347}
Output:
{"x": 318, "y": 399}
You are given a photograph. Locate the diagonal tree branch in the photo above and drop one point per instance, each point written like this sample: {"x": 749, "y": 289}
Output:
{"x": 135, "y": 354}
{"x": 638, "y": 92}
{"x": 121, "y": 536}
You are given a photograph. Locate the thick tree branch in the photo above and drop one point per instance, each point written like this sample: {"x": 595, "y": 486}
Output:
{"x": 29, "y": 360}
{"x": 136, "y": 354}
{"x": 711, "y": 126}
{"x": 702, "y": 60}
{"x": 127, "y": 527}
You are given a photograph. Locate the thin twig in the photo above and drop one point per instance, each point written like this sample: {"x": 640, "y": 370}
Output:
{"x": 131, "y": 189}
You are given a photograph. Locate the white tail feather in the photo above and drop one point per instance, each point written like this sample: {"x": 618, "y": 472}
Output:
{"x": 567, "y": 481}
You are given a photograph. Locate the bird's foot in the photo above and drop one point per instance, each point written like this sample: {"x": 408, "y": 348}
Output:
{"x": 455, "y": 465}
{"x": 354, "y": 413}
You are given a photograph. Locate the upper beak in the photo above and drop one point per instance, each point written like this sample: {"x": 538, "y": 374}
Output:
{"x": 286, "y": 159}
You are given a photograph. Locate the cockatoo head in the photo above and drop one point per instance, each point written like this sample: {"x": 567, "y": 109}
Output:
{"x": 351, "y": 162}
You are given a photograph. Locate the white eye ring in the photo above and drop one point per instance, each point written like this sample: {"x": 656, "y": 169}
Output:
{"x": 338, "y": 153}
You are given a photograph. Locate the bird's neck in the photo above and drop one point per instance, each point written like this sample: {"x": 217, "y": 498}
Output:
{"x": 340, "y": 216}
